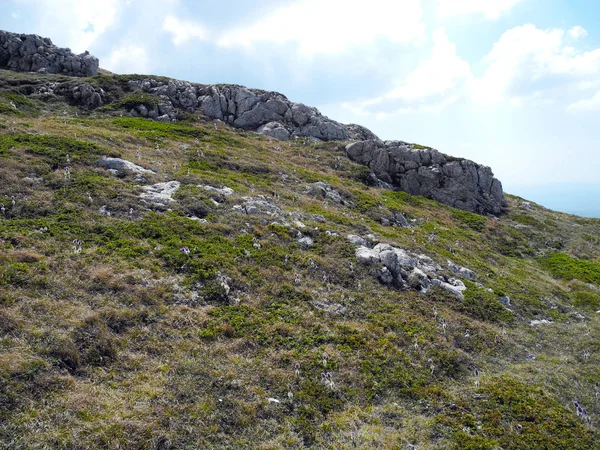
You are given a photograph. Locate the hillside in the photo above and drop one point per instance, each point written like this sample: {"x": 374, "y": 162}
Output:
{"x": 190, "y": 284}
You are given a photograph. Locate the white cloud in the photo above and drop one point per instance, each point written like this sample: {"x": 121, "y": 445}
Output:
{"x": 183, "y": 31}
{"x": 585, "y": 105}
{"x": 65, "y": 21}
{"x": 578, "y": 32}
{"x": 490, "y": 9}
{"x": 526, "y": 59}
{"x": 333, "y": 26}
{"x": 437, "y": 82}
{"x": 128, "y": 58}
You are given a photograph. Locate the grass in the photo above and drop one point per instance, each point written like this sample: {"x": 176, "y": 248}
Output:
{"x": 131, "y": 342}
{"x": 567, "y": 267}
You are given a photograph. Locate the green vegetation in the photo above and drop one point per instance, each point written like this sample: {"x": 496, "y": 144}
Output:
{"x": 473, "y": 221}
{"x": 184, "y": 323}
{"x": 130, "y": 101}
{"x": 567, "y": 267}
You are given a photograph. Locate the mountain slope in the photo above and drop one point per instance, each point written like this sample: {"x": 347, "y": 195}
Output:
{"x": 132, "y": 320}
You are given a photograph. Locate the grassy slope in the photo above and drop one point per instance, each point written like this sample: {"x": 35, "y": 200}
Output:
{"x": 132, "y": 344}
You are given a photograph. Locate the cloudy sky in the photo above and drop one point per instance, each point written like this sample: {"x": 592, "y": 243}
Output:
{"x": 513, "y": 84}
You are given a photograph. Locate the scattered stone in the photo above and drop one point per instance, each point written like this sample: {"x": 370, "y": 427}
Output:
{"x": 404, "y": 269}
{"x": 505, "y": 299}
{"x": 104, "y": 211}
{"x": 332, "y": 308}
{"x": 455, "y": 287}
{"x": 318, "y": 218}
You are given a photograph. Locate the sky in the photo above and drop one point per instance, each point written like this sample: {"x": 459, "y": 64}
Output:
{"x": 512, "y": 84}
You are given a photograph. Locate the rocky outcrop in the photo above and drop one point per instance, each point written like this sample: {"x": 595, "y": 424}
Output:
{"x": 270, "y": 113}
{"x": 427, "y": 172}
{"x": 32, "y": 53}
{"x": 80, "y": 93}
{"x": 406, "y": 270}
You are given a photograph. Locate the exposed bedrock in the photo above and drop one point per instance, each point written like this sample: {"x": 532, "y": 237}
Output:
{"x": 33, "y": 53}
{"x": 270, "y": 113}
{"x": 424, "y": 171}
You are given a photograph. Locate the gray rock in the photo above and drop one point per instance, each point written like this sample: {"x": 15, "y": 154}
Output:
{"x": 455, "y": 288}
{"x": 270, "y": 113}
{"x": 385, "y": 276}
{"x": 405, "y": 269}
{"x": 324, "y": 190}
{"x": 259, "y": 205}
{"x": 226, "y": 191}
{"x": 357, "y": 240}
{"x": 121, "y": 165}
{"x": 462, "y": 272}
{"x": 32, "y": 53}
{"x": 160, "y": 195}
{"x": 275, "y": 130}
{"x": 79, "y": 93}
{"x": 305, "y": 241}
{"x": 425, "y": 171}
{"x": 505, "y": 299}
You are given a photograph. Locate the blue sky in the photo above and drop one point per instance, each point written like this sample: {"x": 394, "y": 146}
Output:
{"x": 513, "y": 84}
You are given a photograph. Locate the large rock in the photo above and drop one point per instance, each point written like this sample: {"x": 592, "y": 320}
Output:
{"x": 424, "y": 171}
{"x": 32, "y": 53}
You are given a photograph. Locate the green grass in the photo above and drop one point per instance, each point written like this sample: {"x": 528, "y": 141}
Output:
{"x": 567, "y": 267}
